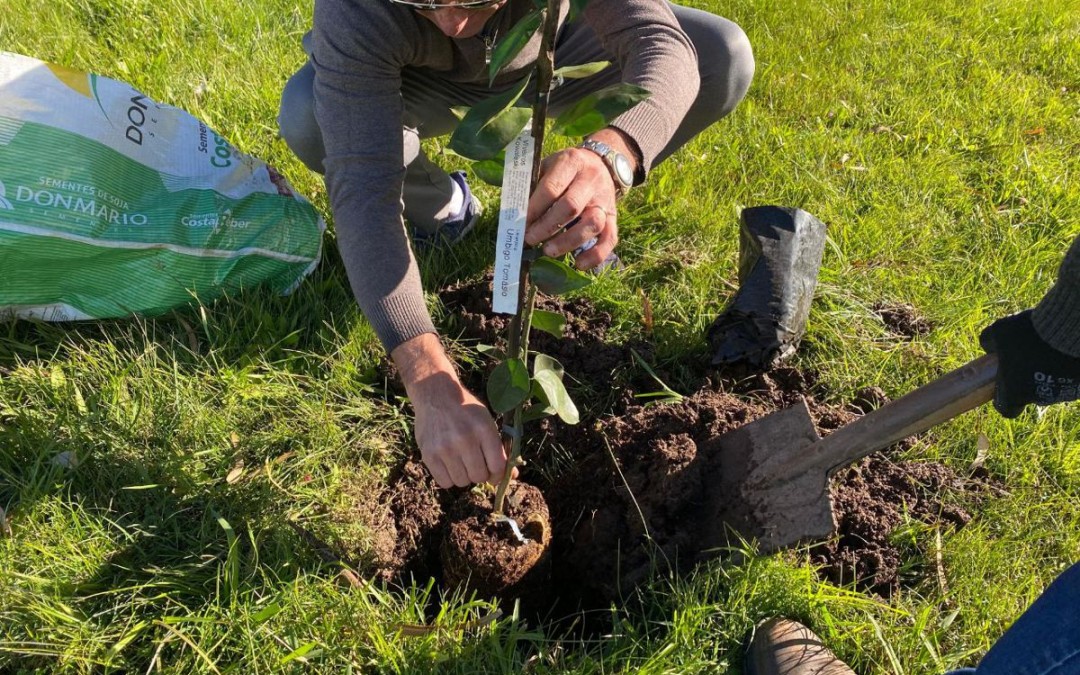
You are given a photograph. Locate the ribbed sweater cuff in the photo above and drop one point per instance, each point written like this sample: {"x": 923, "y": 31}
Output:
{"x": 649, "y": 128}
{"x": 1057, "y": 318}
{"x": 399, "y": 318}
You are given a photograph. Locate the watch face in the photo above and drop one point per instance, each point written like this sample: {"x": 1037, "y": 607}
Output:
{"x": 623, "y": 170}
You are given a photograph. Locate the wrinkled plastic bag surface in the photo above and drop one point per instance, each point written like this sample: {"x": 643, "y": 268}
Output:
{"x": 112, "y": 204}
{"x": 780, "y": 252}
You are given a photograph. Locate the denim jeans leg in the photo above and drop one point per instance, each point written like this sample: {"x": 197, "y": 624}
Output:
{"x": 1045, "y": 640}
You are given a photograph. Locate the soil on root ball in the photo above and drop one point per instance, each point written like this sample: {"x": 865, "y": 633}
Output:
{"x": 483, "y": 554}
{"x": 625, "y": 486}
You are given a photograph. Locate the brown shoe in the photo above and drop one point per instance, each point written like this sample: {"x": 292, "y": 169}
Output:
{"x": 783, "y": 647}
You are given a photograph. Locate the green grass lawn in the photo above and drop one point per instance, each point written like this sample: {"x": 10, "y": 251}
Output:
{"x": 940, "y": 141}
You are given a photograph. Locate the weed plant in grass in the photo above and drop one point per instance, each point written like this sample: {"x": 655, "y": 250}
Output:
{"x": 935, "y": 139}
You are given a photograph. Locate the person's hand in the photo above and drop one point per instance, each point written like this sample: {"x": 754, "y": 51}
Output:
{"x": 458, "y": 439}
{"x": 1029, "y": 370}
{"x": 576, "y": 184}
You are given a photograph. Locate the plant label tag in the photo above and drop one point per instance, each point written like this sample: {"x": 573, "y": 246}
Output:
{"x": 517, "y": 174}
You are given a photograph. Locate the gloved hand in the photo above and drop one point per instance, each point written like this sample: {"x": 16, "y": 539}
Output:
{"x": 1029, "y": 370}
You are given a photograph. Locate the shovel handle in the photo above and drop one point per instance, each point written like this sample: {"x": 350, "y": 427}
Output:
{"x": 953, "y": 394}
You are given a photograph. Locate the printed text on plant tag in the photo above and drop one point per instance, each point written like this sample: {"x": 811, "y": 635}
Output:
{"x": 517, "y": 173}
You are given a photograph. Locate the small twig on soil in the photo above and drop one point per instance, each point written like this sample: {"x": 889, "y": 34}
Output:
{"x": 943, "y": 584}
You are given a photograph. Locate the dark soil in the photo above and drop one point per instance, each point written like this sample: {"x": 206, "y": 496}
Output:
{"x": 412, "y": 513}
{"x": 633, "y": 501}
{"x": 868, "y": 399}
{"x": 625, "y": 487}
{"x": 903, "y": 320}
{"x": 871, "y": 500}
{"x": 584, "y": 350}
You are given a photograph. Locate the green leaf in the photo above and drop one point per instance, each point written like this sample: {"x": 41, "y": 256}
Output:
{"x": 127, "y": 638}
{"x": 232, "y": 557}
{"x": 542, "y": 362}
{"x": 513, "y": 42}
{"x": 547, "y": 387}
{"x": 491, "y": 170}
{"x": 80, "y": 402}
{"x": 666, "y": 393}
{"x": 271, "y": 610}
{"x": 57, "y": 378}
{"x": 491, "y": 350}
{"x": 299, "y": 652}
{"x": 576, "y": 8}
{"x": 537, "y": 411}
{"x": 555, "y": 277}
{"x": 508, "y": 385}
{"x": 595, "y": 111}
{"x": 491, "y": 124}
{"x": 557, "y": 396}
{"x": 549, "y": 322}
{"x": 583, "y": 70}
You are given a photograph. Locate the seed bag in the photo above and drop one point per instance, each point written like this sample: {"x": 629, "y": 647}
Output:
{"x": 112, "y": 204}
{"x": 780, "y": 251}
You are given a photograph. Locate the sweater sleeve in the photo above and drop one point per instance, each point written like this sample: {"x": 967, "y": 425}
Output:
{"x": 1057, "y": 316}
{"x": 359, "y": 49}
{"x": 654, "y": 53}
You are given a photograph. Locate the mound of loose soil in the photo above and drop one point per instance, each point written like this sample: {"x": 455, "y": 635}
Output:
{"x": 624, "y": 488}
{"x": 903, "y": 320}
{"x": 872, "y": 499}
{"x": 406, "y": 522}
{"x": 633, "y": 502}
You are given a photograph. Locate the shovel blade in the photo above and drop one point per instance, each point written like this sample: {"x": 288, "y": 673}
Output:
{"x": 753, "y": 503}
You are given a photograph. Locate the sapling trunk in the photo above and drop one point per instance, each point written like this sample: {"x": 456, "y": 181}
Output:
{"x": 518, "y": 338}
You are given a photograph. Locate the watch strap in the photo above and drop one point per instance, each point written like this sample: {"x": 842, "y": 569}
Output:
{"x": 609, "y": 155}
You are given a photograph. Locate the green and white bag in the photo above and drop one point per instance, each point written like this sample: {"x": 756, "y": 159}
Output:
{"x": 113, "y": 205}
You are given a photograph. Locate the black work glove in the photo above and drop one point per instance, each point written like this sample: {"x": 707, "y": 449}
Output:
{"x": 1029, "y": 370}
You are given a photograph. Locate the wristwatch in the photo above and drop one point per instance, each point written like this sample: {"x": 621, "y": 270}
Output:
{"x": 622, "y": 171}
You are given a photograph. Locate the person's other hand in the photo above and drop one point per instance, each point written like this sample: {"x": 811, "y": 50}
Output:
{"x": 457, "y": 436}
{"x": 1029, "y": 370}
{"x": 574, "y": 184}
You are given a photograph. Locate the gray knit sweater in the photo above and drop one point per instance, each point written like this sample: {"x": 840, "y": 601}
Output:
{"x": 1057, "y": 316}
{"x": 360, "y": 49}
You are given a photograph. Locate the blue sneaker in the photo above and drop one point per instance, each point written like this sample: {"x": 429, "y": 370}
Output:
{"x": 453, "y": 229}
{"x": 611, "y": 262}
